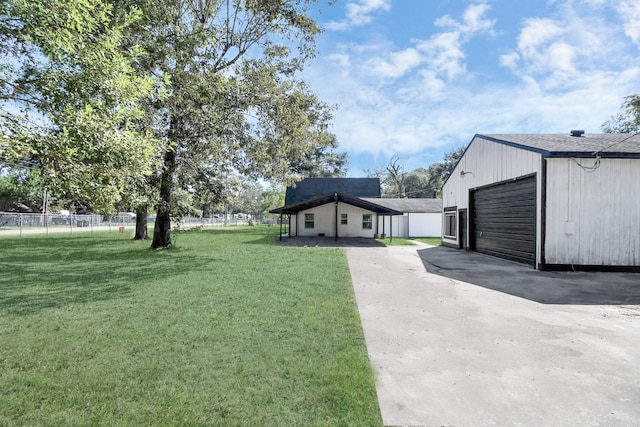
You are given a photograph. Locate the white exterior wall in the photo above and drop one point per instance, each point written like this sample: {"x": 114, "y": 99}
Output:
{"x": 399, "y": 223}
{"x": 425, "y": 224}
{"x": 293, "y": 221}
{"x": 593, "y": 218}
{"x": 489, "y": 162}
{"x": 325, "y": 221}
{"x": 414, "y": 224}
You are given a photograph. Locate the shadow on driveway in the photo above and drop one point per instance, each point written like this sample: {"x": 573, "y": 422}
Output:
{"x": 546, "y": 287}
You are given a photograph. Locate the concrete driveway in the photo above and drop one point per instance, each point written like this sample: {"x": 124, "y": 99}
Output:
{"x": 463, "y": 339}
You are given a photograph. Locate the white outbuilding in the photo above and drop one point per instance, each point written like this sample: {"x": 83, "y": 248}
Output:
{"x": 420, "y": 217}
{"x": 550, "y": 200}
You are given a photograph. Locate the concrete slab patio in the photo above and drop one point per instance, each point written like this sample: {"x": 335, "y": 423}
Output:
{"x": 463, "y": 339}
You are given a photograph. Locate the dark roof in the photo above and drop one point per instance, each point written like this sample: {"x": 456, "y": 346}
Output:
{"x": 331, "y": 198}
{"x": 409, "y": 205}
{"x": 564, "y": 145}
{"x": 312, "y": 187}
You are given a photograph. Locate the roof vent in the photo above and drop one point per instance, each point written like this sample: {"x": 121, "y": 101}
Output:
{"x": 577, "y": 132}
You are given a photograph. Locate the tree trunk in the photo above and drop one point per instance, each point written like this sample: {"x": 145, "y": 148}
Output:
{"x": 162, "y": 229}
{"x": 141, "y": 224}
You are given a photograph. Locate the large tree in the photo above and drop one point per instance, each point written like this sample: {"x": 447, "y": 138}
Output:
{"x": 628, "y": 119}
{"x": 229, "y": 100}
{"x": 419, "y": 183}
{"x": 70, "y": 97}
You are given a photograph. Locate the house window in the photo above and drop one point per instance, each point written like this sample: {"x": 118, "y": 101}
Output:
{"x": 309, "y": 220}
{"x": 450, "y": 224}
{"x": 367, "y": 221}
{"x": 343, "y": 219}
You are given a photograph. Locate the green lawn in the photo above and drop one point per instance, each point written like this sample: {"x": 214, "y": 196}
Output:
{"x": 435, "y": 241}
{"x": 396, "y": 241}
{"x": 227, "y": 328}
{"x": 399, "y": 241}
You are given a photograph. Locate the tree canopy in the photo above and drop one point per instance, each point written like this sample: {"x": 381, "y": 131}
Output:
{"x": 628, "y": 119}
{"x": 70, "y": 97}
{"x": 231, "y": 101}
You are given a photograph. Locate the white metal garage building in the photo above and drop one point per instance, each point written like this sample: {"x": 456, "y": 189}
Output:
{"x": 553, "y": 201}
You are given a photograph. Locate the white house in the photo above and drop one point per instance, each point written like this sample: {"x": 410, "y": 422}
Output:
{"x": 553, "y": 201}
{"x": 352, "y": 207}
{"x": 334, "y": 215}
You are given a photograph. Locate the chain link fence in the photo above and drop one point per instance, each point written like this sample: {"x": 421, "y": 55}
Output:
{"x": 33, "y": 223}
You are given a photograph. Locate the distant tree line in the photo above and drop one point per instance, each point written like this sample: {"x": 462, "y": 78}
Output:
{"x": 396, "y": 182}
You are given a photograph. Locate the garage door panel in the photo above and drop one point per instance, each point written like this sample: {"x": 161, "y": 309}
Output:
{"x": 515, "y": 214}
{"x": 501, "y": 239}
{"x": 524, "y": 230}
{"x": 504, "y": 220}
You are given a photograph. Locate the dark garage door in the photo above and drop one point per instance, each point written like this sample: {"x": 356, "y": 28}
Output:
{"x": 504, "y": 220}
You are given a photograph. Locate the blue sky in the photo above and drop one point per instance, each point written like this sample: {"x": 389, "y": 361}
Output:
{"x": 419, "y": 78}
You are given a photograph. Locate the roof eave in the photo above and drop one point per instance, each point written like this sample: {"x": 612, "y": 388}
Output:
{"x": 330, "y": 198}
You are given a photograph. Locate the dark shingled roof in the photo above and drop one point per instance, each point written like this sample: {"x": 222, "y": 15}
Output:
{"x": 409, "y": 205}
{"x": 312, "y": 187}
{"x": 294, "y": 208}
{"x": 565, "y": 145}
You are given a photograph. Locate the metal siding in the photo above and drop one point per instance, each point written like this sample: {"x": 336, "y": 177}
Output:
{"x": 488, "y": 162}
{"x": 504, "y": 220}
{"x": 593, "y": 218}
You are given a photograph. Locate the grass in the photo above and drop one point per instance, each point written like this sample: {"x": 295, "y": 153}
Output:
{"x": 435, "y": 241}
{"x": 226, "y": 328}
{"x": 397, "y": 241}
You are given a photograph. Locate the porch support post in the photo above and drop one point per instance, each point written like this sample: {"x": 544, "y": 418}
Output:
{"x": 390, "y": 228}
{"x": 280, "y": 237}
{"x": 335, "y": 199}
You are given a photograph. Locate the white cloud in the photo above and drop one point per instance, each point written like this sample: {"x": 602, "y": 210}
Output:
{"x": 536, "y": 34}
{"x": 510, "y": 60}
{"x": 359, "y": 13}
{"x": 442, "y": 53}
{"x": 342, "y": 61}
{"x": 397, "y": 64}
{"x": 473, "y": 20}
{"x": 555, "y": 52}
{"x": 629, "y": 11}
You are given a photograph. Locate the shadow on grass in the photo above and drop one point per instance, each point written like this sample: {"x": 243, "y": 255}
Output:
{"x": 546, "y": 287}
{"x": 254, "y": 235}
{"x": 329, "y": 242}
{"x": 38, "y": 273}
